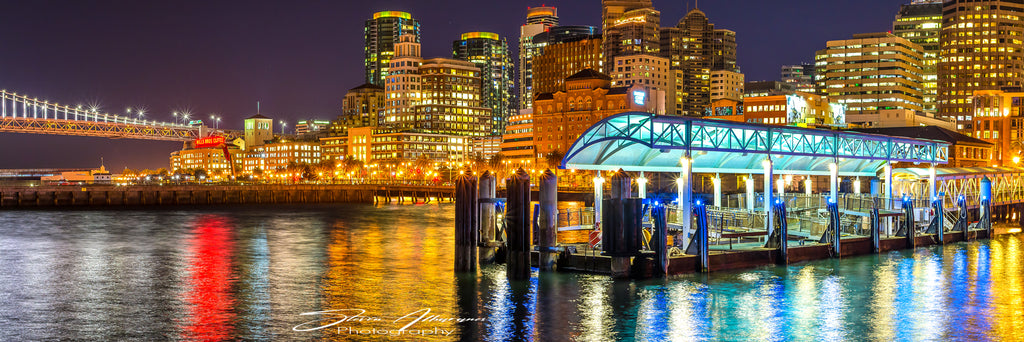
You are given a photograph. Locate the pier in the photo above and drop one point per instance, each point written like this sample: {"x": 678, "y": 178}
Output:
{"x": 780, "y": 195}
{"x": 155, "y": 195}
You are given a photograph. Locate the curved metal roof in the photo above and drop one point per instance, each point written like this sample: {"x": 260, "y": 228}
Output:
{"x": 638, "y": 141}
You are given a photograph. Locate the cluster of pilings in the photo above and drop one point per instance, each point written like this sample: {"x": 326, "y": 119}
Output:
{"x": 478, "y": 237}
{"x": 478, "y": 240}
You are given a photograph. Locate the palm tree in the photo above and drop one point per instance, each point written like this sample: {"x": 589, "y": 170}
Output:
{"x": 554, "y": 159}
{"x": 422, "y": 162}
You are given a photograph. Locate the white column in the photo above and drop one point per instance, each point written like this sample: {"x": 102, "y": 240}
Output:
{"x": 932, "y": 186}
{"x": 888, "y": 184}
{"x": 641, "y": 184}
{"x": 598, "y": 199}
{"x": 807, "y": 186}
{"x": 888, "y": 196}
{"x": 750, "y": 192}
{"x": 833, "y": 169}
{"x": 856, "y": 185}
{"x": 781, "y": 186}
{"x": 768, "y": 175}
{"x": 685, "y": 191}
{"x": 717, "y": 181}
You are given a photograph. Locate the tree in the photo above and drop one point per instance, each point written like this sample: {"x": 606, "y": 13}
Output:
{"x": 199, "y": 174}
{"x": 307, "y": 172}
{"x": 423, "y": 162}
{"x": 554, "y": 159}
{"x": 350, "y": 163}
{"x": 162, "y": 172}
{"x": 478, "y": 164}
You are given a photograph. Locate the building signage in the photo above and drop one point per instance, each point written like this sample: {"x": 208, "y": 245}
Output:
{"x": 209, "y": 142}
{"x": 639, "y": 97}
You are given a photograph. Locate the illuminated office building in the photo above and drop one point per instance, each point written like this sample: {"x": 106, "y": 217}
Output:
{"x": 871, "y": 72}
{"x": 633, "y": 33}
{"x": 694, "y": 49}
{"x": 981, "y": 49}
{"x": 380, "y": 35}
{"x": 800, "y": 76}
{"x": 490, "y": 53}
{"x": 563, "y": 59}
{"x": 538, "y": 21}
{"x": 921, "y": 23}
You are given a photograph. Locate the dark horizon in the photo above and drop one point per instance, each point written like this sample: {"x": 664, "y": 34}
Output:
{"x": 299, "y": 59}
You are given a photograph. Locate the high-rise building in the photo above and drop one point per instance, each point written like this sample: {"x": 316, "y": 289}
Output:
{"x": 872, "y": 72}
{"x": 490, "y": 53}
{"x": 982, "y": 49}
{"x": 538, "y": 20}
{"x": 635, "y": 32}
{"x": 694, "y": 49}
{"x": 612, "y": 10}
{"x": 921, "y": 23}
{"x": 380, "y": 35}
{"x": 438, "y": 95}
{"x": 801, "y": 76}
{"x": 563, "y": 59}
{"x": 451, "y": 100}
{"x": 402, "y": 89}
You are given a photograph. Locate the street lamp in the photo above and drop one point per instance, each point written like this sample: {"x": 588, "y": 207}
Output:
{"x": 175, "y": 114}
{"x": 283, "y": 125}
{"x": 216, "y": 121}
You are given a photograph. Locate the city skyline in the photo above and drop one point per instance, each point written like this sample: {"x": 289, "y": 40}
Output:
{"x": 222, "y": 58}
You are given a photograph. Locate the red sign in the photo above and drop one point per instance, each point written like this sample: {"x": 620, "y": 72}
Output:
{"x": 209, "y": 142}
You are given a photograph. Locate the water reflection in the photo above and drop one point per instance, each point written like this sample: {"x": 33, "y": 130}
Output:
{"x": 209, "y": 298}
{"x": 249, "y": 274}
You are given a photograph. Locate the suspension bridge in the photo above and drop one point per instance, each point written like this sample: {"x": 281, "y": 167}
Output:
{"x": 20, "y": 113}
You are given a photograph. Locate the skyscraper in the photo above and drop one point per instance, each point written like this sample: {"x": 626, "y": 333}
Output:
{"x": 538, "y": 20}
{"x": 380, "y": 35}
{"x": 563, "y": 59}
{"x": 612, "y": 10}
{"x": 981, "y": 49}
{"x": 490, "y": 53}
{"x": 921, "y": 23}
{"x": 694, "y": 49}
{"x": 635, "y": 32}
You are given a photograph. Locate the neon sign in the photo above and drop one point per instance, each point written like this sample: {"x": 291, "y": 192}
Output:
{"x": 209, "y": 142}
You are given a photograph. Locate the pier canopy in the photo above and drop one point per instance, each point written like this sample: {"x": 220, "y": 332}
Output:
{"x": 638, "y": 141}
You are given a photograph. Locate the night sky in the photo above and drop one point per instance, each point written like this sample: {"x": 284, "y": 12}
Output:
{"x": 298, "y": 58}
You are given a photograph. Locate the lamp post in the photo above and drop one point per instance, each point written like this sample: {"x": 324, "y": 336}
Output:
{"x": 283, "y": 125}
